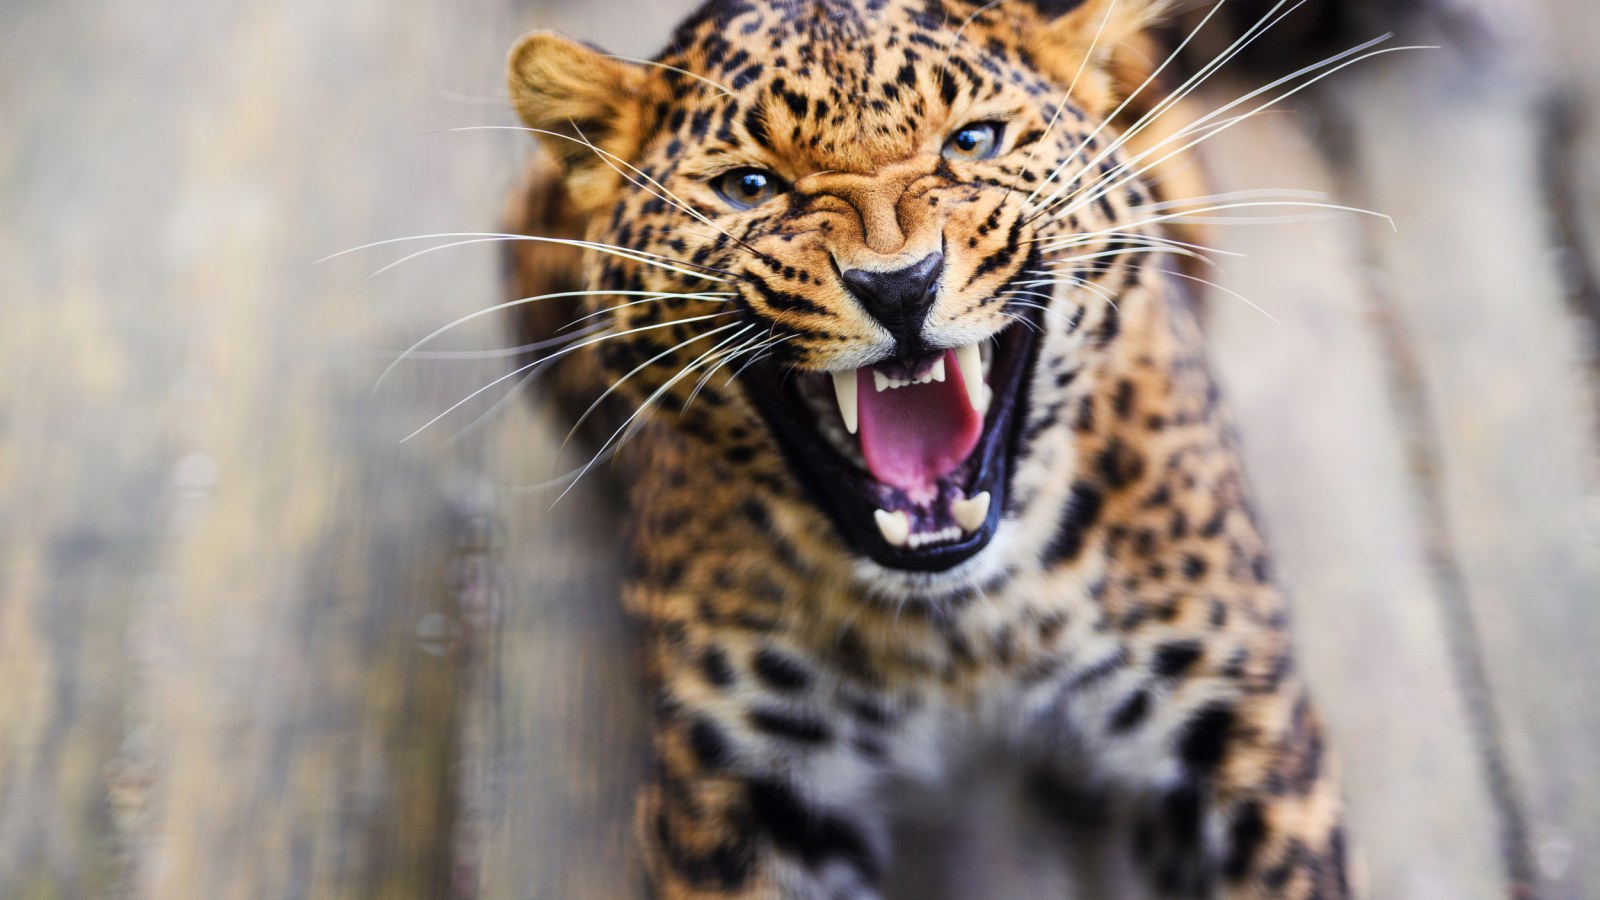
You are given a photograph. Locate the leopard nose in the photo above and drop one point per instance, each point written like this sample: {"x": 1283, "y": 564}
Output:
{"x": 899, "y": 299}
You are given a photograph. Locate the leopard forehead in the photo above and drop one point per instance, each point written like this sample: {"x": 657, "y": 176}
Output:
{"x": 833, "y": 85}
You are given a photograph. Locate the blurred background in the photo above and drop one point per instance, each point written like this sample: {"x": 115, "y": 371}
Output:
{"x": 259, "y": 641}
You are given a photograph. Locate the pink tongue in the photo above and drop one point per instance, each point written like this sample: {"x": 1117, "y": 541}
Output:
{"x": 912, "y": 436}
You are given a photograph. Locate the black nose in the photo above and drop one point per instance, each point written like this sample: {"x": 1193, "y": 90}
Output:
{"x": 899, "y": 299}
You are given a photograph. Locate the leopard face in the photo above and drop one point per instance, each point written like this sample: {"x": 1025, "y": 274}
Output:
{"x": 838, "y": 236}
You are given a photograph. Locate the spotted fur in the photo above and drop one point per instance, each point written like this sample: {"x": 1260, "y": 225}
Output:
{"x": 1124, "y": 623}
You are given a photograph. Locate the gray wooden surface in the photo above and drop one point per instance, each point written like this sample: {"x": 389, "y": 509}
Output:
{"x": 253, "y": 645}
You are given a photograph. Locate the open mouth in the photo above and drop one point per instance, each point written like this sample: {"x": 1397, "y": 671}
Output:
{"x": 910, "y": 458}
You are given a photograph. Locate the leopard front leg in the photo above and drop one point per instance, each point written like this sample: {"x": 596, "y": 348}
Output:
{"x": 1237, "y": 795}
{"x": 766, "y": 770}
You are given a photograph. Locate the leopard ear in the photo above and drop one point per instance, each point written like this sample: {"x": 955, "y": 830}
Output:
{"x": 1096, "y": 44}
{"x": 579, "y": 93}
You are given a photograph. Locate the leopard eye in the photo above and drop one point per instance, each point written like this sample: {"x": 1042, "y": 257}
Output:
{"x": 980, "y": 140}
{"x": 747, "y": 188}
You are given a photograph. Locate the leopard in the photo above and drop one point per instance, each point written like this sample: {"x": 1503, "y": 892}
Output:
{"x": 877, "y": 316}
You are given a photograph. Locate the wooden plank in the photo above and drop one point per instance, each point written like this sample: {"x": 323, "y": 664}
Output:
{"x": 82, "y": 473}
{"x": 555, "y": 744}
{"x": 1502, "y": 411}
{"x": 1324, "y": 453}
{"x": 1564, "y": 43}
{"x": 217, "y": 557}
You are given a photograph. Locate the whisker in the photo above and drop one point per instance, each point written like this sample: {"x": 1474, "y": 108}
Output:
{"x": 709, "y": 298}
{"x": 1260, "y": 27}
{"x": 665, "y": 194}
{"x": 1213, "y": 284}
{"x": 654, "y": 295}
{"x": 497, "y": 406}
{"x": 1289, "y": 219}
{"x": 957, "y": 39}
{"x": 648, "y": 403}
{"x": 1223, "y": 126}
{"x": 1039, "y": 306}
{"x": 569, "y": 478}
{"x": 1247, "y": 194}
{"x": 1023, "y": 320}
{"x": 751, "y": 345}
{"x": 761, "y": 354}
{"x": 503, "y": 352}
{"x": 1074, "y": 281}
{"x": 1125, "y": 251}
{"x": 1124, "y": 105}
{"x": 491, "y": 240}
{"x": 486, "y": 237}
{"x": 610, "y": 389}
{"x": 558, "y": 354}
{"x": 1134, "y": 239}
{"x": 1231, "y": 292}
{"x": 756, "y": 347}
{"x": 1334, "y": 207}
{"x": 662, "y": 65}
{"x": 469, "y": 100}
{"x": 1065, "y": 99}
{"x": 608, "y": 157}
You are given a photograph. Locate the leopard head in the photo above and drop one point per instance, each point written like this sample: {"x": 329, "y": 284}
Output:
{"x": 838, "y": 235}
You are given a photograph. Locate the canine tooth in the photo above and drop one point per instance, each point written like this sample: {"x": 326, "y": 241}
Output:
{"x": 971, "y": 511}
{"x": 844, "y": 388}
{"x": 895, "y": 526}
{"x": 938, "y": 370}
{"x": 970, "y": 361}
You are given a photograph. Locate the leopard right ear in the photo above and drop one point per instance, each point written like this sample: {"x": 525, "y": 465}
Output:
{"x": 579, "y": 94}
{"x": 1095, "y": 44}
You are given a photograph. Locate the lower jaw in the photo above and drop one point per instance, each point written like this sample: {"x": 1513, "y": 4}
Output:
{"x": 851, "y": 498}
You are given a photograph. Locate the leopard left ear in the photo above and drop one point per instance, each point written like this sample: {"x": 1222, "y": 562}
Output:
{"x": 1107, "y": 73}
{"x": 577, "y": 95}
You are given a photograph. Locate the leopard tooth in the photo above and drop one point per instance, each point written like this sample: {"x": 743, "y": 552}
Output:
{"x": 844, "y": 389}
{"x": 895, "y": 526}
{"x": 969, "y": 360}
{"x": 938, "y": 371}
{"x": 880, "y": 381}
{"x": 970, "y": 512}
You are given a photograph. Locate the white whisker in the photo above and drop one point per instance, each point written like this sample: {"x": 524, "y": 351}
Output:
{"x": 647, "y": 404}
{"x": 1065, "y": 99}
{"x": 1248, "y": 194}
{"x": 510, "y": 303}
{"x": 959, "y": 31}
{"x": 497, "y": 406}
{"x": 1334, "y": 207}
{"x": 1118, "y": 111}
{"x": 662, "y": 65}
{"x": 641, "y": 256}
{"x": 559, "y": 353}
{"x": 664, "y": 194}
{"x": 503, "y": 352}
{"x": 709, "y": 298}
{"x": 1261, "y": 26}
{"x": 1039, "y": 306}
{"x": 1223, "y": 126}
{"x": 757, "y": 348}
{"x": 611, "y": 389}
